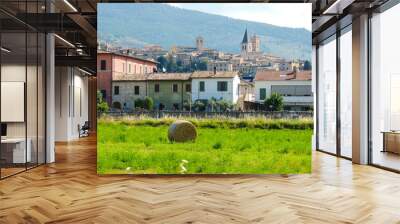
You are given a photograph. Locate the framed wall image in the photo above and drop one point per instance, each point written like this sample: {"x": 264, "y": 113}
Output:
{"x": 205, "y": 88}
{"x": 12, "y": 101}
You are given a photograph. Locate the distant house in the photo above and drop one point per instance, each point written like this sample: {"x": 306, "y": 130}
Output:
{"x": 115, "y": 66}
{"x": 170, "y": 91}
{"x": 220, "y": 66}
{"x": 127, "y": 89}
{"x": 295, "y": 87}
{"x": 218, "y": 85}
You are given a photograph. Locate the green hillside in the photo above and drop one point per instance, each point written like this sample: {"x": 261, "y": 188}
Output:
{"x": 135, "y": 25}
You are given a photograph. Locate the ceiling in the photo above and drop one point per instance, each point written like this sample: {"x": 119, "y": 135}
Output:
{"x": 329, "y": 15}
{"x": 75, "y": 21}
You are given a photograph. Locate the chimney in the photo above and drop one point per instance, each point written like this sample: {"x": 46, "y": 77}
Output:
{"x": 215, "y": 70}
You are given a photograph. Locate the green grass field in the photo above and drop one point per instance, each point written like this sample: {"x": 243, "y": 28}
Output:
{"x": 142, "y": 147}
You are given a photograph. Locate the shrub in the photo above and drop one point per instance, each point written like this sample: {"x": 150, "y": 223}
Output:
{"x": 199, "y": 105}
{"x": 274, "y": 102}
{"x": 186, "y": 105}
{"x": 148, "y": 103}
{"x": 224, "y": 105}
{"x": 139, "y": 103}
{"x": 102, "y": 107}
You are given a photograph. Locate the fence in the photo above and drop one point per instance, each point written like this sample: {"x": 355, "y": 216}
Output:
{"x": 232, "y": 114}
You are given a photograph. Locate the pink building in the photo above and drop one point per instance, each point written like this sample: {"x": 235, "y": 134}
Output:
{"x": 111, "y": 66}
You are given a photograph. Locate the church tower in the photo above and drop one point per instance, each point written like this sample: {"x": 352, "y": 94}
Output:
{"x": 199, "y": 43}
{"x": 255, "y": 42}
{"x": 246, "y": 46}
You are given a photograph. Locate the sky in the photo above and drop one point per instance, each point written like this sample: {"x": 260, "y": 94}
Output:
{"x": 295, "y": 15}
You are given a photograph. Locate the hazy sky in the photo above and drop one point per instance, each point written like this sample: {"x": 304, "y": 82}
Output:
{"x": 297, "y": 15}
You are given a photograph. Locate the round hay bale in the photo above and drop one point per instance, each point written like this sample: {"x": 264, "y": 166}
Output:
{"x": 182, "y": 131}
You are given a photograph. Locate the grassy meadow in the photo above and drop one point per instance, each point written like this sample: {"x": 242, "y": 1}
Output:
{"x": 231, "y": 146}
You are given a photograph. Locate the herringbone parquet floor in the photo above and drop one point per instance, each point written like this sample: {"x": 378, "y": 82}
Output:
{"x": 70, "y": 191}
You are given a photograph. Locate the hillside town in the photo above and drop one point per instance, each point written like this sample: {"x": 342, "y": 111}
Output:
{"x": 197, "y": 78}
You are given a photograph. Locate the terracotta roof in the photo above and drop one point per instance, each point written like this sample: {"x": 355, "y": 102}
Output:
{"x": 130, "y": 77}
{"x": 128, "y": 56}
{"x": 169, "y": 76}
{"x": 282, "y": 75}
{"x": 210, "y": 74}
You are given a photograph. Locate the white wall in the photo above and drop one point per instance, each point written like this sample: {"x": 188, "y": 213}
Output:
{"x": 287, "y": 99}
{"x": 210, "y": 91}
{"x": 314, "y": 90}
{"x": 71, "y": 103}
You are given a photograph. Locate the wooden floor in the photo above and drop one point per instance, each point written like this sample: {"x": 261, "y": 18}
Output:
{"x": 69, "y": 191}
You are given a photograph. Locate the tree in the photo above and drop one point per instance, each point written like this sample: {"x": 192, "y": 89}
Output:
{"x": 274, "y": 102}
{"x": 202, "y": 65}
{"x": 186, "y": 105}
{"x": 224, "y": 105}
{"x": 139, "y": 103}
{"x": 199, "y": 105}
{"x": 307, "y": 65}
{"x": 148, "y": 103}
{"x": 102, "y": 106}
{"x": 162, "y": 63}
{"x": 212, "y": 104}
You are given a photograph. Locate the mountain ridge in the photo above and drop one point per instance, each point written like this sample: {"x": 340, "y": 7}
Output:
{"x": 137, "y": 25}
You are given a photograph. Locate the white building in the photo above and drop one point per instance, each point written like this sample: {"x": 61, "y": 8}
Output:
{"x": 220, "y": 66}
{"x": 295, "y": 87}
{"x": 218, "y": 85}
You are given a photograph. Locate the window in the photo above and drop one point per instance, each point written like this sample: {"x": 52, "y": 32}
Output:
{"x": 116, "y": 90}
{"x": 188, "y": 88}
{"x": 123, "y": 67}
{"x": 129, "y": 68}
{"x": 385, "y": 88}
{"x": 327, "y": 96}
{"x": 346, "y": 94}
{"x": 292, "y": 90}
{"x": 156, "y": 88}
{"x": 263, "y": 93}
{"x": 222, "y": 86}
{"x": 174, "y": 88}
{"x": 134, "y": 71}
{"x": 103, "y": 65}
{"x": 201, "y": 86}
{"x": 137, "y": 90}
{"x": 103, "y": 94}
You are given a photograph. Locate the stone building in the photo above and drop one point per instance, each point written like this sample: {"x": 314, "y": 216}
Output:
{"x": 115, "y": 66}
{"x": 169, "y": 90}
{"x": 128, "y": 89}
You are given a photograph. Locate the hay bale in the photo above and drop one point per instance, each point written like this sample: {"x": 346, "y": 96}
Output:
{"x": 182, "y": 131}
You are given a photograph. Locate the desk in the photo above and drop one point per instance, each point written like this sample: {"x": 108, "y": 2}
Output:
{"x": 15, "y": 148}
{"x": 391, "y": 141}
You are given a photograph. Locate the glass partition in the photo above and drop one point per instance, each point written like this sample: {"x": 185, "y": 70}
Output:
{"x": 13, "y": 94}
{"x": 346, "y": 93}
{"x": 327, "y": 95}
{"x": 385, "y": 89}
{"x": 22, "y": 88}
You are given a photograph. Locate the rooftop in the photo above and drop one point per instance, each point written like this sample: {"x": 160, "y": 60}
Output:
{"x": 282, "y": 75}
{"x": 210, "y": 74}
{"x": 128, "y": 56}
{"x": 130, "y": 77}
{"x": 169, "y": 76}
